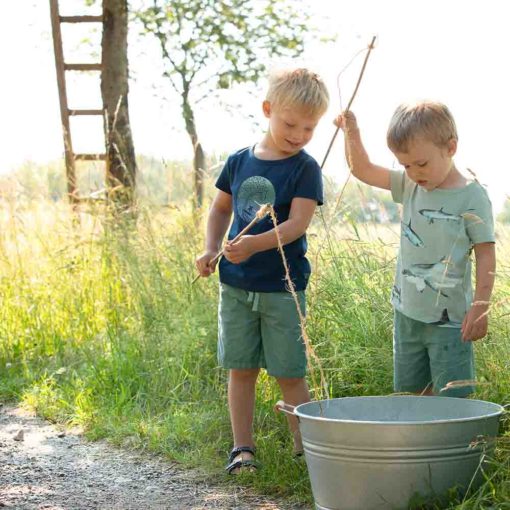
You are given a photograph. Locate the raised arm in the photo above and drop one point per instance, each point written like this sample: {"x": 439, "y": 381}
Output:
{"x": 357, "y": 158}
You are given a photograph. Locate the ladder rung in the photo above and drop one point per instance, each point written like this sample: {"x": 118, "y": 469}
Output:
{"x": 86, "y": 112}
{"x": 89, "y": 157}
{"x": 81, "y": 19}
{"x": 83, "y": 67}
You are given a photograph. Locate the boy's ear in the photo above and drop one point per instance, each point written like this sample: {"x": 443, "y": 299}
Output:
{"x": 266, "y": 108}
{"x": 452, "y": 147}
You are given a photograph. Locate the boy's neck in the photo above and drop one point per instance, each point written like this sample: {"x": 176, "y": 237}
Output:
{"x": 454, "y": 179}
{"x": 266, "y": 149}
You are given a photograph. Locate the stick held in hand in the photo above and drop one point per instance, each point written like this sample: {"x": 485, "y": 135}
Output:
{"x": 261, "y": 213}
{"x": 370, "y": 48}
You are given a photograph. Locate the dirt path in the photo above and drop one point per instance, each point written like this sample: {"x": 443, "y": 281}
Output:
{"x": 42, "y": 467}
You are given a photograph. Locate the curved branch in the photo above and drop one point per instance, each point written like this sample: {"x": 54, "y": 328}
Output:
{"x": 370, "y": 48}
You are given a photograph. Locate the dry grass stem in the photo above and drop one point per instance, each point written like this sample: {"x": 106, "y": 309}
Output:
{"x": 310, "y": 352}
{"x": 462, "y": 383}
{"x": 473, "y": 218}
{"x": 426, "y": 389}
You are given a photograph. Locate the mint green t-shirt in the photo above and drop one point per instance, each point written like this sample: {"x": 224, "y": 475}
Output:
{"x": 438, "y": 231}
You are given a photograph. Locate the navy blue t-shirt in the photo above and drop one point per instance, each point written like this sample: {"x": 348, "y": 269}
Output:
{"x": 253, "y": 182}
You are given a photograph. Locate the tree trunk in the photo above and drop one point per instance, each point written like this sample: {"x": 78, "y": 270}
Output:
{"x": 198, "y": 153}
{"x": 198, "y": 174}
{"x": 121, "y": 164}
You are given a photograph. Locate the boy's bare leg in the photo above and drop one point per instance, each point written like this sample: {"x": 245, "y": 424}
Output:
{"x": 295, "y": 392}
{"x": 241, "y": 402}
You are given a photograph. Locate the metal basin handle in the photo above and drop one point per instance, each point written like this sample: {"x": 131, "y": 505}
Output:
{"x": 284, "y": 408}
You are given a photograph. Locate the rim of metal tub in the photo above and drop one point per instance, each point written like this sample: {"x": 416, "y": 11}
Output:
{"x": 498, "y": 410}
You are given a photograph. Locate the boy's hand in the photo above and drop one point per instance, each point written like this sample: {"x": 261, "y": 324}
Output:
{"x": 346, "y": 121}
{"x": 204, "y": 265}
{"x": 475, "y": 323}
{"x": 242, "y": 250}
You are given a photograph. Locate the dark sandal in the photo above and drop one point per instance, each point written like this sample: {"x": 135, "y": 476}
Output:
{"x": 241, "y": 463}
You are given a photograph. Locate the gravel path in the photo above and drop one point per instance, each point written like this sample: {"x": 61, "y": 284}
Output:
{"x": 44, "y": 467}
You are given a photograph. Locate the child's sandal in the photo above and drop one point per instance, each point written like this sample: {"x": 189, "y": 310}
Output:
{"x": 240, "y": 463}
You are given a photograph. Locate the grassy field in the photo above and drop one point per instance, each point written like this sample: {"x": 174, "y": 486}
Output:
{"x": 100, "y": 326}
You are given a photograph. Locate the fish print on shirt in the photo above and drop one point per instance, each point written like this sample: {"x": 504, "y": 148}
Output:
{"x": 445, "y": 322}
{"x": 396, "y": 296}
{"x": 421, "y": 282}
{"x": 411, "y": 235}
{"x": 435, "y": 276}
{"x": 435, "y": 215}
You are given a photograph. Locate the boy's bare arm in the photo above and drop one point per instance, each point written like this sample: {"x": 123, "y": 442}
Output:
{"x": 357, "y": 158}
{"x": 217, "y": 225}
{"x": 218, "y": 221}
{"x": 300, "y": 215}
{"x": 476, "y": 322}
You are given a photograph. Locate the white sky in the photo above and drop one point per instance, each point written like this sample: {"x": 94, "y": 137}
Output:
{"x": 455, "y": 51}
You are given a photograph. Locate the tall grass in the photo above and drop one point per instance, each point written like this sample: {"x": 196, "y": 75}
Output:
{"x": 100, "y": 326}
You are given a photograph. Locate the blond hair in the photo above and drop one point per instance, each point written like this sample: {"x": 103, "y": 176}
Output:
{"x": 299, "y": 88}
{"x": 428, "y": 119}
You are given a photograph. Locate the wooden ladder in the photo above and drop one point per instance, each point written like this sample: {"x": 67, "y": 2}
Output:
{"x": 65, "y": 113}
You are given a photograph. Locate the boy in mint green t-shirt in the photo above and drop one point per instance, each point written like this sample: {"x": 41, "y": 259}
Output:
{"x": 445, "y": 216}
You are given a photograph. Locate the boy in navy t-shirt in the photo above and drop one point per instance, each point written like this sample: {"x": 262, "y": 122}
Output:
{"x": 257, "y": 318}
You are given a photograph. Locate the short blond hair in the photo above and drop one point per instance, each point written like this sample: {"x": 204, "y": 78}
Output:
{"x": 298, "y": 88}
{"x": 428, "y": 119}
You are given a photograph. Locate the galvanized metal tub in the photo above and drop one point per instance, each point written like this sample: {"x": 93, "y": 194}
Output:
{"x": 367, "y": 453}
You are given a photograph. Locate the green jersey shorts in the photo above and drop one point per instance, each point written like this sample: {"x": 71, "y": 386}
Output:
{"x": 430, "y": 356}
{"x": 261, "y": 330}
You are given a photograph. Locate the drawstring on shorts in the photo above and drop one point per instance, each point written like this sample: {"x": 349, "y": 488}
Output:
{"x": 253, "y": 298}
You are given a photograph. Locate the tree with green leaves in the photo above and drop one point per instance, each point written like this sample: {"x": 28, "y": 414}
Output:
{"x": 211, "y": 44}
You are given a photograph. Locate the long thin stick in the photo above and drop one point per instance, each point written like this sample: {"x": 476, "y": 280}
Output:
{"x": 263, "y": 211}
{"x": 370, "y": 48}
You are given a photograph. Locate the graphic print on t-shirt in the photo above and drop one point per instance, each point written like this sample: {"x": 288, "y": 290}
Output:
{"x": 435, "y": 276}
{"x": 410, "y": 234}
{"x": 436, "y": 215}
{"x": 254, "y": 192}
{"x": 445, "y": 322}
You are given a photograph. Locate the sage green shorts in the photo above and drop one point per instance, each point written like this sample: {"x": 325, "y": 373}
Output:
{"x": 261, "y": 330}
{"x": 428, "y": 355}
